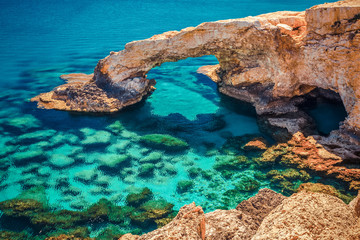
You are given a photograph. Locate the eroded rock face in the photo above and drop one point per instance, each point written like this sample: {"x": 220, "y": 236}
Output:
{"x": 306, "y": 153}
{"x": 242, "y": 222}
{"x": 308, "y": 215}
{"x": 262, "y": 60}
{"x": 259, "y": 206}
{"x": 188, "y": 224}
{"x": 267, "y": 215}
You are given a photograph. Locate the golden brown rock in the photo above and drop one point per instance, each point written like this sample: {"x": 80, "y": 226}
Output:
{"x": 308, "y": 215}
{"x": 256, "y": 144}
{"x": 286, "y": 53}
{"x": 188, "y": 224}
{"x": 77, "y": 77}
{"x": 305, "y": 152}
{"x": 67, "y": 237}
{"x": 322, "y": 188}
{"x": 129, "y": 236}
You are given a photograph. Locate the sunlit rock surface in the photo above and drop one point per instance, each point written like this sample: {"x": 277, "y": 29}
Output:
{"x": 267, "y": 215}
{"x": 261, "y": 59}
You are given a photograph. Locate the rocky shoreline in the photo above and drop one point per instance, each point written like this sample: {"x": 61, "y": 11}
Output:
{"x": 314, "y": 212}
{"x": 267, "y": 215}
{"x": 276, "y": 62}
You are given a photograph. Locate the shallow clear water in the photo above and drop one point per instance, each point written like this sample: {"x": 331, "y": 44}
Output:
{"x": 40, "y": 40}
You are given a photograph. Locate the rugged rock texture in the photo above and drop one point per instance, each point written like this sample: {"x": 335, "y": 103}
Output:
{"x": 188, "y": 224}
{"x": 267, "y": 215}
{"x": 239, "y": 223}
{"x": 242, "y": 222}
{"x": 322, "y": 188}
{"x": 229, "y": 224}
{"x": 355, "y": 205}
{"x": 307, "y": 215}
{"x": 79, "y": 94}
{"x": 259, "y": 206}
{"x": 257, "y": 144}
{"x": 305, "y": 152}
{"x": 265, "y": 60}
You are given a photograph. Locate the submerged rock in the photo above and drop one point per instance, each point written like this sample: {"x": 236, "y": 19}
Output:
{"x": 184, "y": 186}
{"x": 87, "y": 175}
{"x": 21, "y": 207}
{"x": 164, "y": 141}
{"x": 28, "y": 156}
{"x": 229, "y": 165}
{"x": 116, "y": 127}
{"x": 136, "y": 199}
{"x": 24, "y": 123}
{"x": 13, "y": 235}
{"x": 153, "y": 157}
{"x": 31, "y": 137}
{"x": 113, "y": 162}
{"x": 61, "y": 161}
{"x": 153, "y": 211}
{"x": 322, "y": 188}
{"x": 304, "y": 152}
{"x": 247, "y": 184}
{"x": 94, "y": 137}
{"x": 146, "y": 170}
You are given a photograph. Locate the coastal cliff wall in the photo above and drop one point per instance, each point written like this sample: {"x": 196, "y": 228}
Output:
{"x": 261, "y": 60}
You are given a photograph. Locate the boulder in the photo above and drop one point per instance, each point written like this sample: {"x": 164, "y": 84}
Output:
{"x": 308, "y": 215}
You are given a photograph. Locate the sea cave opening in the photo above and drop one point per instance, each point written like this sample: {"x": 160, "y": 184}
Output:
{"x": 326, "y": 109}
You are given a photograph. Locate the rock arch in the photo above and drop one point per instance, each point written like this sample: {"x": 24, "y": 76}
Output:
{"x": 263, "y": 60}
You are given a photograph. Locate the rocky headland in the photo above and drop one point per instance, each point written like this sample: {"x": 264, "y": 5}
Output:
{"x": 275, "y": 61}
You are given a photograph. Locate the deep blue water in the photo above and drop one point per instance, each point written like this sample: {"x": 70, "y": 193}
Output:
{"x": 40, "y": 40}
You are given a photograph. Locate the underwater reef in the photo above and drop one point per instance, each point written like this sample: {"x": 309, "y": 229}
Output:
{"x": 30, "y": 210}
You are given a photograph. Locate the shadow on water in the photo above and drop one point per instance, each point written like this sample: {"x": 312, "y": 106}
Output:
{"x": 327, "y": 110}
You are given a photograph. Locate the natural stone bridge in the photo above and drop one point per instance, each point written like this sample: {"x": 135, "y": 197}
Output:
{"x": 265, "y": 60}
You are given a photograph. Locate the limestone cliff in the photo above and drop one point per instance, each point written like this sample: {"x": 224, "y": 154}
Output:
{"x": 262, "y": 60}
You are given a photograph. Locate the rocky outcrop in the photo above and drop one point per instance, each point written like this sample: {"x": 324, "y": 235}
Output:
{"x": 188, "y": 224}
{"x": 306, "y": 153}
{"x": 266, "y": 60}
{"x": 242, "y": 222}
{"x": 239, "y": 223}
{"x": 267, "y": 215}
{"x": 307, "y": 215}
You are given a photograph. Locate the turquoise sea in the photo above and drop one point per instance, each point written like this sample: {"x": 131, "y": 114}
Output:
{"x": 72, "y": 160}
